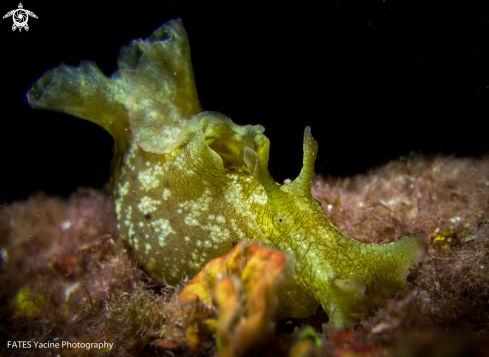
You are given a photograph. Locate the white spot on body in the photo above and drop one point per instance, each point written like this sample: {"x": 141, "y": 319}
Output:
{"x": 163, "y": 226}
{"x": 166, "y": 194}
{"x": 147, "y": 205}
{"x": 189, "y": 220}
{"x": 123, "y": 189}
{"x": 259, "y": 198}
{"x": 148, "y": 178}
{"x": 147, "y": 247}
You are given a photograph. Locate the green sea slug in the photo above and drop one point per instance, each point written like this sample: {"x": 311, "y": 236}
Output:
{"x": 189, "y": 184}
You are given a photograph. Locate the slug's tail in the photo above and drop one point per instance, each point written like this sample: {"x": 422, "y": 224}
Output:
{"x": 401, "y": 256}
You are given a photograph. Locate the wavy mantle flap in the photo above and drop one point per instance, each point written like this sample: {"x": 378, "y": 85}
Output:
{"x": 153, "y": 94}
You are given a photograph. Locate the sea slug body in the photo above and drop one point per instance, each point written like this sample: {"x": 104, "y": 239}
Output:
{"x": 189, "y": 184}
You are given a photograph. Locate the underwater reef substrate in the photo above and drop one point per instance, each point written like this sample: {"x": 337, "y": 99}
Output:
{"x": 66, "y": 275}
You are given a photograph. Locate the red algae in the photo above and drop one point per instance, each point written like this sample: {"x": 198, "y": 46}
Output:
{"x": 67, "y": 275}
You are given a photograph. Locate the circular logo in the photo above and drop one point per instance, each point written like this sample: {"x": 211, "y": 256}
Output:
{"x": 20, "y": 17}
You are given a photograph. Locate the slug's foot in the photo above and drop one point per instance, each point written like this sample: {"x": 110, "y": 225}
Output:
{"x": 346, "y": 303}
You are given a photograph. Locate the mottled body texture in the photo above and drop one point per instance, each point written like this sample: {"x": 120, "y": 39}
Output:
{"x": 189, "y": 184}
{"x": 178, "y": 218}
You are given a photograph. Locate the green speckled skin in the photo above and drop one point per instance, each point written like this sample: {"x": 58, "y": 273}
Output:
{"x": 189, "y": 184}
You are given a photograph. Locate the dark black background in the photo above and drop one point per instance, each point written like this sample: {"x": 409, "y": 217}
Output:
{"x": 374, "y": 80}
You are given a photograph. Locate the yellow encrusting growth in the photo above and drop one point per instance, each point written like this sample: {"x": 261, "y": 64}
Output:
{"x": 188, "y": 185}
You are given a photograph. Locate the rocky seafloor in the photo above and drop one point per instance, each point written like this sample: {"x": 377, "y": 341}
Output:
{"x": 66, "y": 275}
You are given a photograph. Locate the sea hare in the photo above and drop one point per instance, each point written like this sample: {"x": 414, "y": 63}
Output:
{"x": 189, "y": 184}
